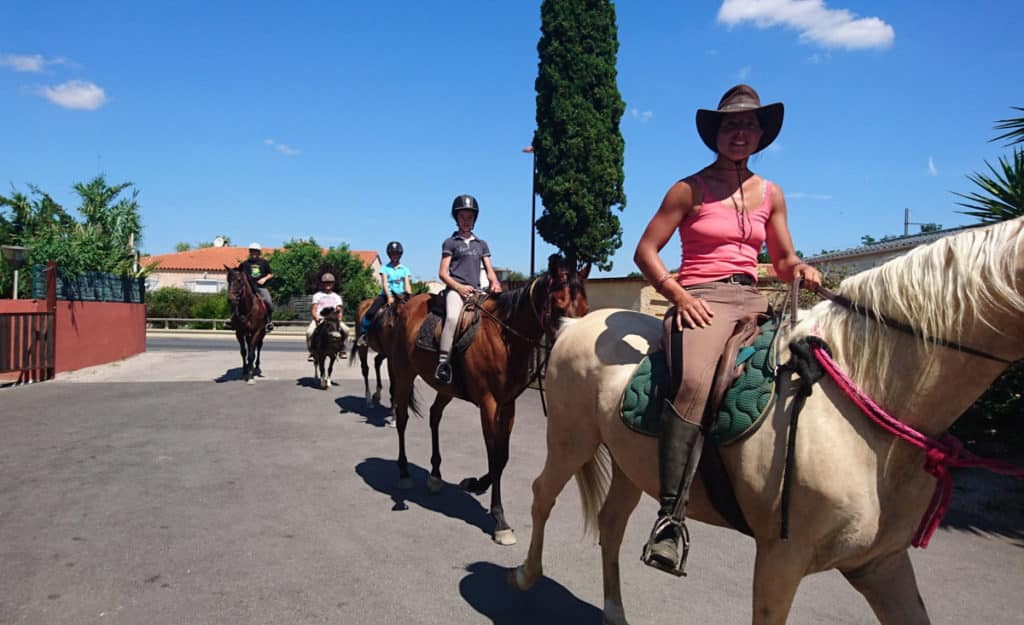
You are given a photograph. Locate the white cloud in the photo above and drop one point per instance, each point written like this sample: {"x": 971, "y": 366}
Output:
{"x": 28, "y": 62}
{"x": 76, "y": 94}
{"x": 800, "y": 195}
{"x": 643, "y": 116}
{"x": 932, "y": 171}
{"x": 280, "y": 147}
{"x": 816, "y": 23}
{"x": 743, "y": 73}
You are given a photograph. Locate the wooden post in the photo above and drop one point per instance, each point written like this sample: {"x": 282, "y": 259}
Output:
{"x": 51, "y": 308}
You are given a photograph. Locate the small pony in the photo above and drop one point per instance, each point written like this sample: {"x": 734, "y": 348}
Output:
{"x": 327, "y": 342}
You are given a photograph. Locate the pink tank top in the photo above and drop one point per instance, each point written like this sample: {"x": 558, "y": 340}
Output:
{"x": 718, "y": 241}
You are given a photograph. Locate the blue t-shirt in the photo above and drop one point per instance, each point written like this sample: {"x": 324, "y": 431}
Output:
{"x": 395, "y": 277}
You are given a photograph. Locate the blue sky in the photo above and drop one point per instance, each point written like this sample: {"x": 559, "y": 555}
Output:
{"x": 359, "y": 122}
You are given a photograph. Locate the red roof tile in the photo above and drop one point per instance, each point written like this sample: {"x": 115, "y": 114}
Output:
{"x": 214, "y": 258}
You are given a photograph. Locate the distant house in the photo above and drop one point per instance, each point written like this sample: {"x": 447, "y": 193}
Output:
{"x": 202, "y": 270}
{"x": 857, "y": 259}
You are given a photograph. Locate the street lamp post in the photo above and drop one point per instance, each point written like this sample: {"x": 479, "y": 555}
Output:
{"x": 533, "y": 206}
{"x": 15, "y": 255}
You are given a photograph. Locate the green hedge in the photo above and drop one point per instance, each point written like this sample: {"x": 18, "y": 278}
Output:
{"x": 994, "y": 424}
{"x": 181, "y": 304}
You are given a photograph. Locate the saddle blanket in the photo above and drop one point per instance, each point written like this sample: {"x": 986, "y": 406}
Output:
{"x": 742, "y": 410}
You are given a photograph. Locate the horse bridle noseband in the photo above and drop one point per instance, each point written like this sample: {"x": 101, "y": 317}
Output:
{"x": 895, "y": 324}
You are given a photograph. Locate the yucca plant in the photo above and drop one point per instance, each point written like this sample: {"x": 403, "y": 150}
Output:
{"x": 1002, "y": 193}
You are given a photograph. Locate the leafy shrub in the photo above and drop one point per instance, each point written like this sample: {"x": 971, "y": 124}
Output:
{"x": 169, "y": 302}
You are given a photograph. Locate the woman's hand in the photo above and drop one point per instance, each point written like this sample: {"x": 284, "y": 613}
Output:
{"x": 495, "y": 287}
{"x": 391, "y": 299}
{"x": 692, "y": 312}
{"x": 811, "y": 277}
{"x": 465, "y": 291}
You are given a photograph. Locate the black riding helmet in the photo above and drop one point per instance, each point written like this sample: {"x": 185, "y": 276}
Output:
{"x": 465, "y": 203}
{"x": 394, "y": 248}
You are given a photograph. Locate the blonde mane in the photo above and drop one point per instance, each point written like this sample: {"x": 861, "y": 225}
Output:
{"x": 933, "y": 288}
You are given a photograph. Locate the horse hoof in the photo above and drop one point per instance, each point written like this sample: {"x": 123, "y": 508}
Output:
{"x": 405, "y": 483}
{"x": 250, "y": 381}
{"x": 516, "y": 579}
{"x": 323, "y": 385}
{"x": 505, "y": 537}
{"x": 434, "y": 484}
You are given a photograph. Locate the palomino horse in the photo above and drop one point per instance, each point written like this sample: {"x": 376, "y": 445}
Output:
{"x": 859, "y": 494}
{"x": 327, "y": 342}
{"x": 249, "y": 318}
{"x": 378, "y": 338}
{"x": 491, "y": 373}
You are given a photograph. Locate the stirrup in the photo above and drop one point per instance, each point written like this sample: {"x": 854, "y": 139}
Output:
{"x": 664, "y": 523}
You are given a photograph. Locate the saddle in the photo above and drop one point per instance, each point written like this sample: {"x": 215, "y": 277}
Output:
{"x": 429, "y": 336}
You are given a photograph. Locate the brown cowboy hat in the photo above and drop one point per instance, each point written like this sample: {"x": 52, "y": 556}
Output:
{"x": 737, "y": 100}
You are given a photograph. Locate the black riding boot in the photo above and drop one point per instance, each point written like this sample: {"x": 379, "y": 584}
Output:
{"x": 675, "y": 452}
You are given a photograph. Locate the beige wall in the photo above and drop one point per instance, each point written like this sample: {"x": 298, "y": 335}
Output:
{"x": 160, "y": 279}
{"x": 636, "y": 294}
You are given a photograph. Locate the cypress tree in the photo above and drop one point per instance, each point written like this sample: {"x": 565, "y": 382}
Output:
{"x": 578, "y": 145}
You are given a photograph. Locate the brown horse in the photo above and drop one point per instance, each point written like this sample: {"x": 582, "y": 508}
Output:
{"x": 249, "y": 319}
{"x": 491, "y": 373}
{"x": 378, "y": 338}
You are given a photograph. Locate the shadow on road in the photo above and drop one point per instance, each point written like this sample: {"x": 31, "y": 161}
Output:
{"x": 375, "y": 416}
{"x": 452, "y": 501}
{"x": 547, "y": 603}
{"x": 231, "y": 375}
{"x": 987, "y": 503}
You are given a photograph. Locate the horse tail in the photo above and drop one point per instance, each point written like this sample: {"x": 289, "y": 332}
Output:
{"x": 593, "y": 479}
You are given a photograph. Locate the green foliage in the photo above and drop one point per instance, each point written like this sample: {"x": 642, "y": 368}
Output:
{"x": 418, "y": 287}
{"x": 578, "y": 145}
{"x": 169, "y": 302}
{"x": 1014, "y": 128}
{"x": 105, "y": 241}
{"x": 182, "y": 246}
{"x": 931, "y": 227}
{"x": 1002, "y": 193}
{"x": 867, "y": 239}
{"x": 210, "y": 306}
{"x": 298, "y": 265}
{"x": 997, "y": 418}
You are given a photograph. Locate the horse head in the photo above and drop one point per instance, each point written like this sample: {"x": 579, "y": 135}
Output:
{"x": 566, "y": 295}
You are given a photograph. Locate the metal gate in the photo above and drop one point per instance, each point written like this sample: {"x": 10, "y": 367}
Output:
{"x": 27, "y": 345}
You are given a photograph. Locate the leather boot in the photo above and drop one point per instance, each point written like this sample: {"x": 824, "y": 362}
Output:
{"x": 675, "y": 451}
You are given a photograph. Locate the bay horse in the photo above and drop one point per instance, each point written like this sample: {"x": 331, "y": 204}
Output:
{"x": 491, "y": 373}
{"x": 249, "y": 319}
{"x": 378, "y": 338}
{"x": 859, "y": 494}
{"x": 327, "y": 342}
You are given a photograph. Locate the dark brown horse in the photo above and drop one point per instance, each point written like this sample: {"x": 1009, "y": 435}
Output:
{"x": 378, "y": 338}
{"x": 491, "y": 373}
{"x": 249, "y": 319}
{"x": 327, "y": 342}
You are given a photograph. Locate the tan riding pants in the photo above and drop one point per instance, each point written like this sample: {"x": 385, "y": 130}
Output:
{"x": 702, "y": 347}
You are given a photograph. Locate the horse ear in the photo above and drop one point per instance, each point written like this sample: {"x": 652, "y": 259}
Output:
{"x": 584, "y": 272}
{"x": 555, "y": 263}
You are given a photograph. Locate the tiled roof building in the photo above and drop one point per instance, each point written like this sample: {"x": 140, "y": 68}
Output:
{"x": 202, "y": 270}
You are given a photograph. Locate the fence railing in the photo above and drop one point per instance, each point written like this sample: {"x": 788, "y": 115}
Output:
{"x": 27, "y": 345}
{"x": 171, "y": 324}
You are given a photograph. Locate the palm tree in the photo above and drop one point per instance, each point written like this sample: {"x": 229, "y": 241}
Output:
{"x": 1002, "y": 192}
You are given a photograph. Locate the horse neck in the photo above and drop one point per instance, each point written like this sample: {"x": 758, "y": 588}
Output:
{"x": 924, "y": 386}
{"x": 526, "y": 316}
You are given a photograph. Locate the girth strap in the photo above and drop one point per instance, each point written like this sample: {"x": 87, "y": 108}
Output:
{"x": 806, "y": 367}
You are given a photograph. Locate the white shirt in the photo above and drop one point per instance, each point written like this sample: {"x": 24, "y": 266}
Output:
{"x": 326, "y": 300}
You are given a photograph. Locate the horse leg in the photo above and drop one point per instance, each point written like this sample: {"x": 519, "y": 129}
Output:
{"x": 778, "y": 569}
{"x": 890, "y": 587}
{"x": 259, "y": 350}
{"x": 365, "y": 368}
{"x": 402, "y": 394}
{"x": 434, "y": 482}
{"x": 623, "y": 496}
{"x": 330, "y": 369}
{"x": 377, "y": 360}
{"x": 242, "y": 350}
{"x": 564, "y": 458}
{"x": 497, "y": 457}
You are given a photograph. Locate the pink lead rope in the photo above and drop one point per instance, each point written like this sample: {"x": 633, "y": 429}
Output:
{"x": 941, "y": 454}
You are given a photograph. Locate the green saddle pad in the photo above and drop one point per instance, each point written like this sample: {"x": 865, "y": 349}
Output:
{"x": 742, "y": 410}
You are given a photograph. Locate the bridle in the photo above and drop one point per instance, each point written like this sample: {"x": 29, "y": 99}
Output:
{"x": 895, "y": 324}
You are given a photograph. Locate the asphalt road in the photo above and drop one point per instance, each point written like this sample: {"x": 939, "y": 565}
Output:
{"x": 162, "y": 490}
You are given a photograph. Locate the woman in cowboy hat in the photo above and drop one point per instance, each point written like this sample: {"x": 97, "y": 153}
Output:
{"x": 723, "y": 214}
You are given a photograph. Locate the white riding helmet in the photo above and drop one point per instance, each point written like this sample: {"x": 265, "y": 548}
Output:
{"x": 255, "y": 246}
